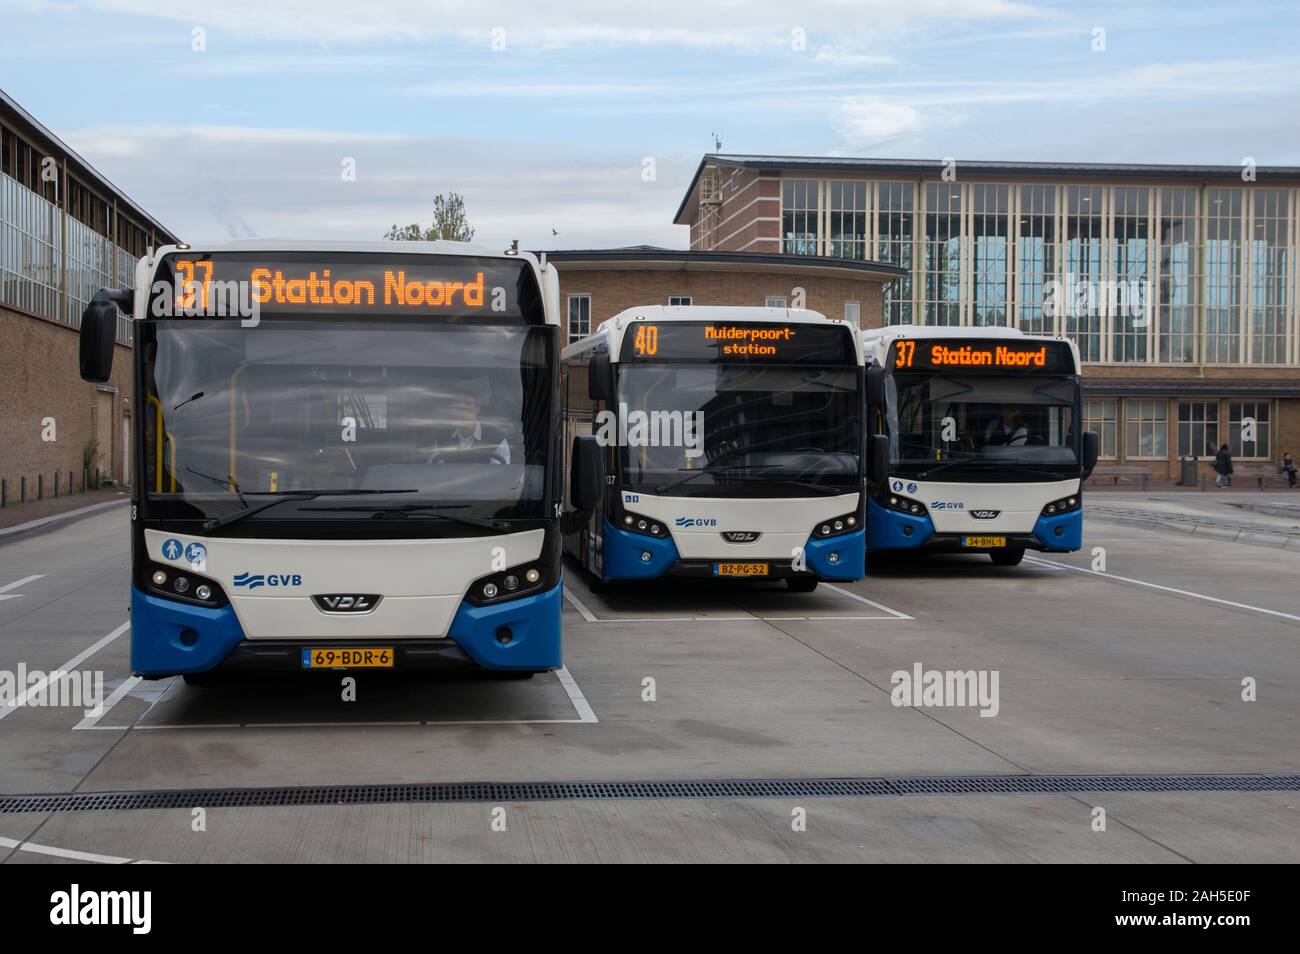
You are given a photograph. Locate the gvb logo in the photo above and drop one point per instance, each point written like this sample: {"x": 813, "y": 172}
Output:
{"x": 696, "y": 521}
{"x": 93, "y": 908}
{"x": 251, "y": 581}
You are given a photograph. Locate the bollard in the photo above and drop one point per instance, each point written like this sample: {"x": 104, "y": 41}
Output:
{"x": 4, "y": 491}
{"x": 22, "y": 490}
{"x": 85, "y": 480}
{"x": 56, "y": 485}
{"x": 40, "y": 486}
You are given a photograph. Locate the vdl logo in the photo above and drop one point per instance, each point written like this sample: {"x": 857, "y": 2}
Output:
{"x": 252, "y": 581}
{"x": 697, "y": 521}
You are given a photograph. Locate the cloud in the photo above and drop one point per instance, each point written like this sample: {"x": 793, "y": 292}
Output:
{"x": 869, "y": 120}
{"x": 223, "y": 182}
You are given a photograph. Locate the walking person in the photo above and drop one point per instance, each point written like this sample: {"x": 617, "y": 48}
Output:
{"x": 1287, "y": 467}
{"x": 1223, "y": 467}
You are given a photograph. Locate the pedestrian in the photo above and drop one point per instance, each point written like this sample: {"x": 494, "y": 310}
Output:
{"x": 1288, "y": 467}
{"x": 1223, "y": 467}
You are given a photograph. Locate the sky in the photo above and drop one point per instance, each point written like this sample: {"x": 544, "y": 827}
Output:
{"x": 580, "y": 124}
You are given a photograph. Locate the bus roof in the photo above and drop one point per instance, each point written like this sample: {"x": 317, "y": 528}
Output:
{"x": 610, "y": 331}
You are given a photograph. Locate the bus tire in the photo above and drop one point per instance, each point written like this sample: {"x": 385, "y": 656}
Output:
{"x": 1011, "y": 557}
{"x": 510, "y": 675}
{"x": 801, "y": 584}
{"x": 209, "y": 678}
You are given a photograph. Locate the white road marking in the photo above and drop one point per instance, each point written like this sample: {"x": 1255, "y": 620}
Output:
{"x": 1166, "y": 589}
{"x": 585, "y": 712}
{"x": 90, "y": 721}
{"x": 862, "y": 599}
{"x": 66, "y": 853}
{"x": 578, "y": 604}
{"x": 17, "y": 583}
{"x": 68, "y": 666}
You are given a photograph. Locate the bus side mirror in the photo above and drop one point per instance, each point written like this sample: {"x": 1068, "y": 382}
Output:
{"x": 875, "y": 386}
{"x": 879, "y": 456}
{"x": 98, "y": 335}
{"x": 1091, "y": 451}
{"x": 586, "y": 475}
{"x": 600, "y": 378}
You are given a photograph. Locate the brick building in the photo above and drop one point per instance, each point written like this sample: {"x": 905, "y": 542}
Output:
{"x": 65, "y": 232}
{"x": 1179, "y": 283}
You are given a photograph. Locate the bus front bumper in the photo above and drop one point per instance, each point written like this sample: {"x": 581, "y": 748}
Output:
{"x": 170, "y": 638}
{"x": 890, "y": 530}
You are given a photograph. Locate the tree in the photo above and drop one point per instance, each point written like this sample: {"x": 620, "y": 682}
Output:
{"x": 449, "y": 223}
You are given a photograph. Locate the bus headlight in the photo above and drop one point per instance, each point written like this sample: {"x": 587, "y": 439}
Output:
{"x": 635, "y": 523}
{"x": 1064, "y": 505}
{"x": 846, "y": 523}
{"x": 508, "y": 584}
{"x": 184, "y": 587}
{"x": 904, "y": 505}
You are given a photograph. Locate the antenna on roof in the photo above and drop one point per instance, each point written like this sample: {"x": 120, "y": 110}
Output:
{"x": 717, "y": 143}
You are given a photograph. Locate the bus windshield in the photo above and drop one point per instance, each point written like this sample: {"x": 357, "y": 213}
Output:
{"x": 452, "y": 416}
{"x": 784, "y": 424}
{"x": 985, "y": 427}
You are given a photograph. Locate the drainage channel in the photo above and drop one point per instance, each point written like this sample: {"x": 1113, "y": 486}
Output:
{"x": 447, "y": 792}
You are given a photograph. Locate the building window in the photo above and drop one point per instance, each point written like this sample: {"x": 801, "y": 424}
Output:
{"x": 1084, "y": 220}
{"x": 799, "y": 216}
{"x": 895, "y": 207}
{"x": 1130, "y": 248}
{"x": 579, "y": 317}
{"x": 679, "y": 301}
{"x": 1099, "y": 416}
{"x": 1198, "y": 428}
{"x": 1269, "y": 252}
{"x": 1179, "y": 258}
{"x": 771, "y": 301}
{"x": 1146, "y": 432}
{"x": 943, "y": 253}
{"x": 1248, "y": 428}
{"x": 989, "y": 246}
{"x": 853, "y": 313}
{"x": 1036, "y": 258}
{"x": 847, "y": 212}
{"x": 1223, "y": 254}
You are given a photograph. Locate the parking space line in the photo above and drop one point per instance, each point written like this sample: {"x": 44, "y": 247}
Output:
{"x": 578, "y": 604}
{"x": 71, "y": 664}
{"x": 63, "y": 852}
{"x": 90, "y": 721}
{"x": 862, "y": 599}
{"x": 17, "y": 583}
{"x": 580, "y": 704}
{"x": 1167, "y": 589}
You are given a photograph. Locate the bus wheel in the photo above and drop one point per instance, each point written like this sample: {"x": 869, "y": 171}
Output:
{"x": 210, "y": 678}
{"x": 1007, "y": 557}
{"x": 509, "y": 674}
{"x": 801, "y": 584}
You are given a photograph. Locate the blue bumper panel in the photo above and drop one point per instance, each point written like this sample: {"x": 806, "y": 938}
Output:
{"x": 534, "y": 624}
{"x": 851, "y": 556}
{"x": 1063, "y": 532}
{"x": 622, "y": 551}
{"x": 889, "y": 530}
{"x": 169, "y": 638}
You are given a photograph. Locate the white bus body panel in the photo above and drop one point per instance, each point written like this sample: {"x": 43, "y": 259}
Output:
{"x": 784, "y": 522}
{"x": 950, "y": 504}
{"x": 422, "y": 582}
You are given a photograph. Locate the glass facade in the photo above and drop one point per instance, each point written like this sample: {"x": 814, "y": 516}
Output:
{"x": 1136, "y": 274}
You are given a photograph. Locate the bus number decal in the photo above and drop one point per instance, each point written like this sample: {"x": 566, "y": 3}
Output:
{"x": 646, "y": 341}
{"x": 906, "y": 351}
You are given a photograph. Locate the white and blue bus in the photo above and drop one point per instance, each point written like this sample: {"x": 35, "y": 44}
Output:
{"x": 977, "y": 442}
{"x": 730, "y": 445}
{"x": 346, "y": 457}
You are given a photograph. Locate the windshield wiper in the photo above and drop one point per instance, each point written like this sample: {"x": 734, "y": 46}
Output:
{"x": 980, "y": 464}
{"x": 419, "y": 510}
{"x": 739, "y": 475}
{"x": 281, "y": 496}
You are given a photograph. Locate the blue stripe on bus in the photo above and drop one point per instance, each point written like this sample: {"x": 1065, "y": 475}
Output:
{"x": 889, "y": 529}
{"x": 1063, "y": 532}
{"x": 169, "y": 637}
{"x": 534, "y": 629}
{"x": 621, "y": 552}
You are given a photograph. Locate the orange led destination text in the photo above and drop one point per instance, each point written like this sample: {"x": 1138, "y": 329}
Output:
{"x": 999, "y": 357}
{"x": 747, "y": 341}
{"x": 396, "y": 289}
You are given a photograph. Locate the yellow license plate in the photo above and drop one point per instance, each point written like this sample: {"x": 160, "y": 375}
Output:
{"x": 740, "y": 569}
{"x": 984, "y": 541}
{"x": 369, "y": 657}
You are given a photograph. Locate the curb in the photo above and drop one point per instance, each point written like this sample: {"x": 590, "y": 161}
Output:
{"x": 1251, "y": 537}
{"x": 55, "y": 520}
